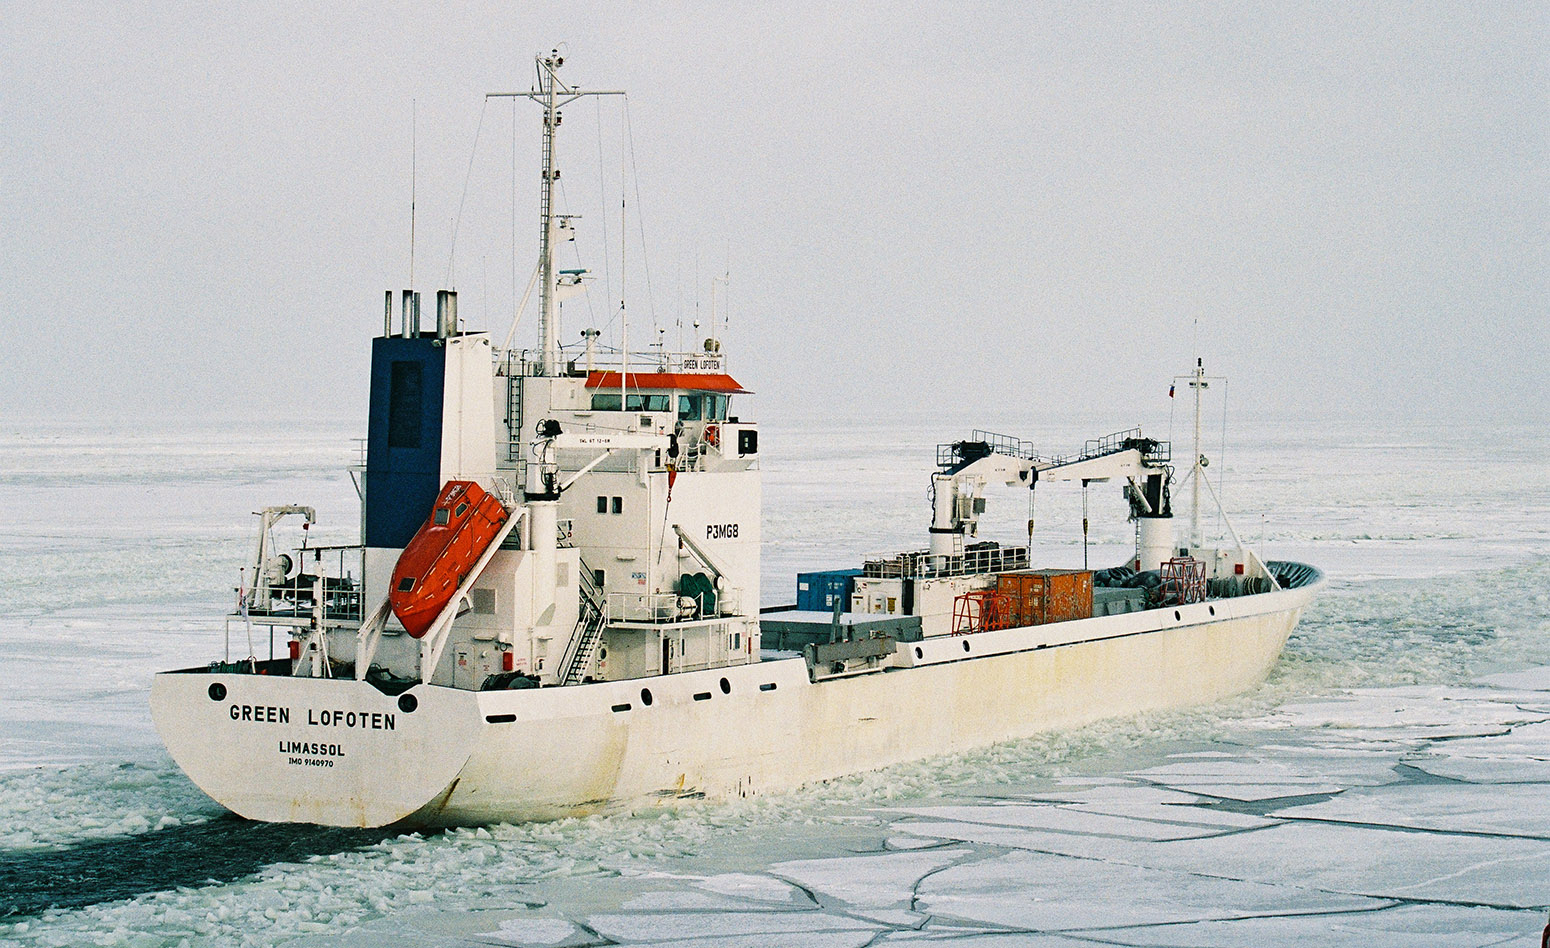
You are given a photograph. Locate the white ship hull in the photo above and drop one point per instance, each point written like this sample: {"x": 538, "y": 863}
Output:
{"x": 342, "y": 753}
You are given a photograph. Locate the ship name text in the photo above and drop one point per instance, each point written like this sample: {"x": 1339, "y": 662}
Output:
{"x": 279, "y": 714}
{"x": 373, "y": 721}
{"x": 261, "y": 713}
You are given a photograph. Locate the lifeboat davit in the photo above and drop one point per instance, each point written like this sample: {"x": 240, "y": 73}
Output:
{"x": 435, "y": 563}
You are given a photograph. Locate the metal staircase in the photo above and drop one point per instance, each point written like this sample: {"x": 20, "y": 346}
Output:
{"x": 589, "y": 630}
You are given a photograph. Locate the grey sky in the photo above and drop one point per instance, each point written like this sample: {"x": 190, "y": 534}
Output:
{"x": 1019, "y": 203}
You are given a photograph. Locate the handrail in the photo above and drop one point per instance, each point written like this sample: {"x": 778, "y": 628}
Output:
{"x": 528, "y": 363}
{"x": 293, "y": 597}
{"x": 925, "y": 564}
{"x": 589, "y": 625}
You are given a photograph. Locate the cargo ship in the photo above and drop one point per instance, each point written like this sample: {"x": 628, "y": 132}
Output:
{"x": 590, "y": 636}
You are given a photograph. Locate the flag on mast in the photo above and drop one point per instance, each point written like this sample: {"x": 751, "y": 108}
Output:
{"x": 1170, "y": 391}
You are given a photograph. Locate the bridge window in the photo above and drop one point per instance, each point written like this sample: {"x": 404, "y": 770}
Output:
{"x": 618, "y": 505}
{"x": 644, "y": 402}
{"x": 602, "y": 505}
{"x": 702, "y": 407}
{"x": 605, "y": 401}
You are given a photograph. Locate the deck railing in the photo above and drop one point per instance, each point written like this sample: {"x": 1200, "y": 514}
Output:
{"x": 527, "y": 363}
{"x": 671, "y": 607}
{"x": 925, "y": 564}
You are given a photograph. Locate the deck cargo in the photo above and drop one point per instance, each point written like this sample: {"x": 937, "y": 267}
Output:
{"x": 1037, "y": 596}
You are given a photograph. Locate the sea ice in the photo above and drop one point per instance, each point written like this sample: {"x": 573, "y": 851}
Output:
{"x": 1484, "y": 771}
{"x": 533, "y": 931}
{"x": 1128, "y": 792}
{"x": 1051, "y": 893}
{"x": 1382, "y": 863}
{"x": 860, "y": 938}
{"x": 96, "y": 800}
{"x": 1508, "y": 810}
{"x": 869, "y": 882}
{"x": 1203, "y": 815}
{"x": 441, "y": 928}
{"x": 690, "y": 877}
{"x": 1411, "y": 926}
{"x": 731, "y": 926}
{"x": 1428, "y": 712}
{"x": 980, "y": 938}
{"x": 1064, "y": 819}
{"x": 664, "y": 900}
{"x": 747, "y": 885}
{"x": 1532, "y": 679}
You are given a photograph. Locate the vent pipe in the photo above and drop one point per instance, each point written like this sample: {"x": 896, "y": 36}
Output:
{"x": 405, "y": 312}
{"x": 446, "y": 313}
{"x": 387, "y": 315}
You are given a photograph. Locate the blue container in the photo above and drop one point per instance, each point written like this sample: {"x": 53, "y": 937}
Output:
{"x": 816, "y": 592}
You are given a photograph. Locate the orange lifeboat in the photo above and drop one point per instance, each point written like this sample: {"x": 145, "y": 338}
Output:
{"x": 449, "y": 543}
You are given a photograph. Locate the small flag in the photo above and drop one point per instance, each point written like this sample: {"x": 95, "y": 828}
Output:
{"x": 1170, "y": 391}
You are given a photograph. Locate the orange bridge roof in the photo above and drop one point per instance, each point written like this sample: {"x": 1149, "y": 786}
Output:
{"x": 692, "y": 381}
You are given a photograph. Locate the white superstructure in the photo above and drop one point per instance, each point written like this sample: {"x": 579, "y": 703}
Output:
{"x": 605, "y": 649}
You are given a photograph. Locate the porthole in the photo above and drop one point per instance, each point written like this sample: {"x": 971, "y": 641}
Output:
{"x": 645, "y": 697}
{"x": 217, "y": 691}
{"x": 1176, "y": 615}
{"x": 408, "y": 703}
{"x": 965, "y": 645}
{"x": 726, "y": 687}
{"x": 1212, "y": 609}
{"x": 919, "y": 652}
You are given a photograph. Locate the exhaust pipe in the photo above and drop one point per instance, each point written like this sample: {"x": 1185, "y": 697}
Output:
{"x": 446, "y": 313}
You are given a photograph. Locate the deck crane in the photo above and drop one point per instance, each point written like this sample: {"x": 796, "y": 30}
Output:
{"x": 966, "y": 467}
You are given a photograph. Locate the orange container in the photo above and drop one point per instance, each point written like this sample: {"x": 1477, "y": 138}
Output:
{"x": 1038, "y": 596}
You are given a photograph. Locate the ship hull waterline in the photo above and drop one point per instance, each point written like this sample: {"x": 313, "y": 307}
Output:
{"x": 339, "y": 752}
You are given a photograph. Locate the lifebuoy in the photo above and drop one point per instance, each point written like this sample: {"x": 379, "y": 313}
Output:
{"x": 713, "y": 434}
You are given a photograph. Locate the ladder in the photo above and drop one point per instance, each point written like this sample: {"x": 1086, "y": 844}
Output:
{"x": 513, "y": 416}
{"x": 589, "y": 629}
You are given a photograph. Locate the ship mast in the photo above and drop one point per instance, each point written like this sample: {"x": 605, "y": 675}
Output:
{"x": 552, "y": 95}
{"x": 1197, "y": 382}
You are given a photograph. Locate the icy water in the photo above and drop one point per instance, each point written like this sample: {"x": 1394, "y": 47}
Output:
{"x": 1387, "y": 786}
